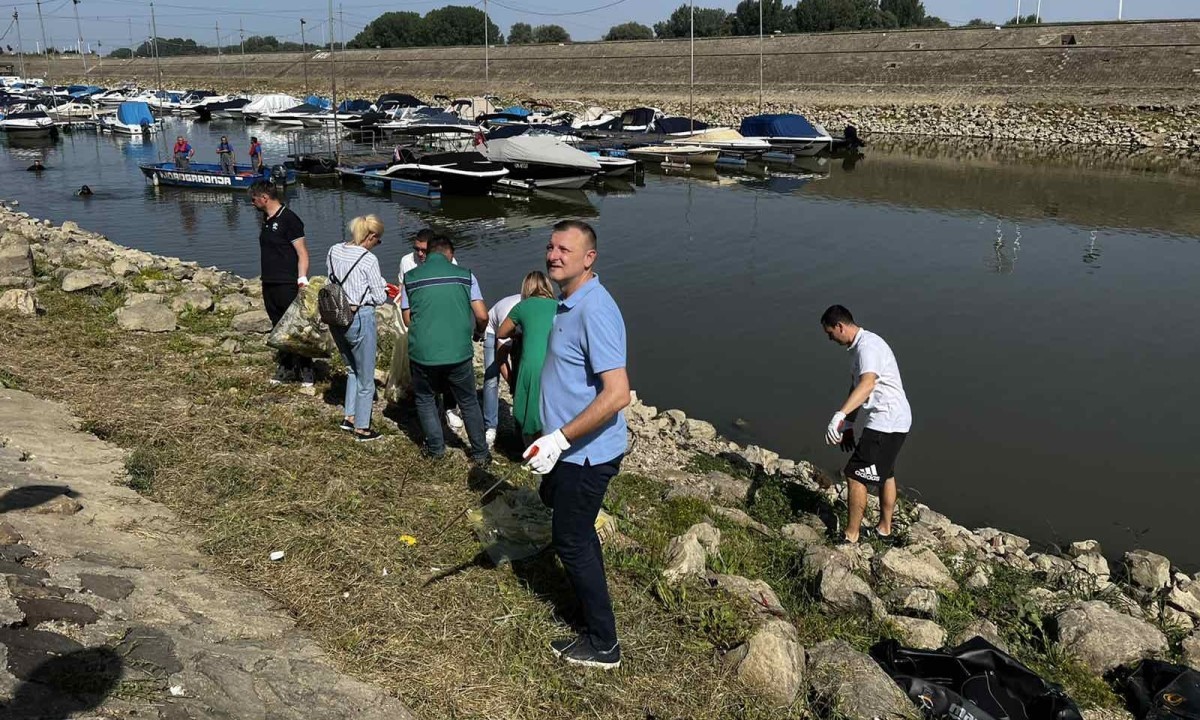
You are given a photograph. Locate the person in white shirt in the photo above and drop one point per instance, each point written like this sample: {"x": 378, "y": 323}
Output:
{"x": 411, "y": 261}
{"x": 495, "y": 365}
{"x": 878, "y": 405}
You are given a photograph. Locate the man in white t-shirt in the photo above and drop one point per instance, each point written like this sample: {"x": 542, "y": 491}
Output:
{"x": 416, "y": 258}
{"x": 878, "y": 405}
{"x": 492, "y": 370}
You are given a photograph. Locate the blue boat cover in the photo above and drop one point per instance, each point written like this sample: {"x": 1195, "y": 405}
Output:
{"x": 788, "y": 125}
{"x": 353, "y": 106}
{"x": 318, "y": 101}
{"x": 669, "y": 125}
{"x": 134, "y": 113}
{"x": 517, "y": 110}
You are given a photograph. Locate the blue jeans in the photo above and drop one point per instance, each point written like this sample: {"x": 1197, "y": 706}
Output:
{"x": 429, "y": 381}
{"x": 491, "y": 384}
{"x": 357, "y": 344}
{"x": 575, "y": 493}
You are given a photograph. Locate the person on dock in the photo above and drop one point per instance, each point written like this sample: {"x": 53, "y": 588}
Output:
{"x": 256, "y": 154}
{"x": 183, "y": 152}
{"x": 534, "y": 318}
{"x": 877, "y": 395}
{"x": 225, "y": 156}
{"x": 284, "y": 257}
{"x": 357, "y": 269}
{"x": 411, "y": 261}
{"x": 496, "y": 364}
{"x": 584, "y": 389}
{"x": 443, "y": 308}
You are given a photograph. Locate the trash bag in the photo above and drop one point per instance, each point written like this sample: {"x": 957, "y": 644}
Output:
{"x": 1158, "y": 690}
{"x": 974, "y": 679}
{"x": 300, "y": 330}
{"x": 516, "y": 525}
{"x": 399, "y": 380}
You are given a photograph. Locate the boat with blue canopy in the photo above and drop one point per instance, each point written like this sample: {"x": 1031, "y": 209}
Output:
{"x": 788, "y": 133}
{"x": 133, "y": 118}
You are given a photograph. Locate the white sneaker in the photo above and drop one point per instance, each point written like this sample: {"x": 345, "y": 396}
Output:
{"x": 306, "y": 377}
{"x": 490, "y": 436}
{"x": 453, "y": 420}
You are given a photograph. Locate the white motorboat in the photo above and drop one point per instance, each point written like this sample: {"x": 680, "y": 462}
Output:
{"x": 293, "y": 116}
{"x": 539, "y": 160}
{"x": 457, "y": 173}
{"x": 612, "y": 166}
{"x": 727, "y": 140}
{"x": 788, "y": 133}
{"x": 133, "y": 119}
{"x": 29, "y": 122}
{"x": 264, "y": 105}
{"x": 116, "y": 96}
{"x": 78, "y": 110}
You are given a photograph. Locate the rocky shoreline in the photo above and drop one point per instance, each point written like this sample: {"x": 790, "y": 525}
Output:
{"x": 1103, "y": 612}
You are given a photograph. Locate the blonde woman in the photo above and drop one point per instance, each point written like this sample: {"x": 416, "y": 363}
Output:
{"x": 534, "y": 315}
{"x": 354, "y": 265}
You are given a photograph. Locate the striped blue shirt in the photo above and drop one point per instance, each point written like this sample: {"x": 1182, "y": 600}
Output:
{"x": 365, "y": 285}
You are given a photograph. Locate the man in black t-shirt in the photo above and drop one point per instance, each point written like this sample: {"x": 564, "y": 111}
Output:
{"x": 284, "y": 271}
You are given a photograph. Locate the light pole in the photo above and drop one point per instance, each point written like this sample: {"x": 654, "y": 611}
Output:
{"x": 79, "y": 37}
{"x": 217, "y": 28}
{"x": 760, "y": 56}
{"x": 242, "y": 40}
{"x": 1120, "y": 9}
{"x": 20, "y": 49}
{"x": 1038, "y": 17}
{"x": 304, "y": 50}
{"x": 487, "y": 72}
{"x": 46, "y": 45}
{"x": 100, "y": 55}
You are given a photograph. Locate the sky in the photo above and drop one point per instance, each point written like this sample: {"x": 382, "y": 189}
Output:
{"x": 109, "y": 24}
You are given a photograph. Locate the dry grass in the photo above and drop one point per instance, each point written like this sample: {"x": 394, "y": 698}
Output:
{"x": 257, "y": 469}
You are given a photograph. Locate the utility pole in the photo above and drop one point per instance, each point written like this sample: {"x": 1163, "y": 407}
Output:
{"x": 342, "y": 27}
{"x": 1018, "y": 12}
{"x": 1120, "y": 9}
{"x": 79, "y": 38}
{"x": 304, "y": 50}
{"x": 242, "y": 36}
{"x": 217, "y": 27}
{"x": 132, "y": 47}
{"x": 1038, "y": 17}
{"x": 692, "y": 75}
{"x": 20, "y": 48}
{"x": 46, "y": 45}
{"x": 100, "y": 55}
{"x": 337, "y": 148}
{"x": 760, "y": 56}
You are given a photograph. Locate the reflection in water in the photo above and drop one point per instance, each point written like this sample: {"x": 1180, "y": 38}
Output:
{"x": 1004, "y": 255}
{"x": 1091, "y": 255}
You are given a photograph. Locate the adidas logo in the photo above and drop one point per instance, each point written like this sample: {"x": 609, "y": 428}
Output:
{"x": 870, "y": 474}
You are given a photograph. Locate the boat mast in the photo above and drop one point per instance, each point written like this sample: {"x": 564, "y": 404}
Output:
{"x": 337, "y": 150}
{"x": 79, "y": 39}
{"x": 692, "y": 76}
{"x": 157, "y": 64}
{"x": 242, "y": 40}
{"x": 304, "y": 54}
{"x": 45, "y": 45}
{"x": 760, "y": 56}
{"x": 487, "y": 73}
{"x": 20, "y": 49}
{"x": 217, "y": 27}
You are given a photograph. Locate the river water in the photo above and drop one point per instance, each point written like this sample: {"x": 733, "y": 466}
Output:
{"x": 1041, "y": 302}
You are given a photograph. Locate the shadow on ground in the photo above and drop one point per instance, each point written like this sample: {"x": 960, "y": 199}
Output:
{"x": 29, "y": 496}
{"x": 62, "y": 686}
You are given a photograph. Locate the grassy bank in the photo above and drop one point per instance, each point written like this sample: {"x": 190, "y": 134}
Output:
{"x": 255, "y": 469}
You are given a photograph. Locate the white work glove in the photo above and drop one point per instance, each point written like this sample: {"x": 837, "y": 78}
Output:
{"x": 302, "y": 281}
{"x": 545, "y": 451}
{"x": 833, "y": 433}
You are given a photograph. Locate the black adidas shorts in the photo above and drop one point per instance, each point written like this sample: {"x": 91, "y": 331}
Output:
{"x": 874, "y": 458}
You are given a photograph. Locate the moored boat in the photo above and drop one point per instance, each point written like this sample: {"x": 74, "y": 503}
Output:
{"x": 458, "y": 173}
{"x": 210, "y": 176}
{"x": 539, "y": 160}
{"x": 788, "y": 133}
{"x": 133, "y": 118}
{"x": 677, "y": 154}
{"x": 28, "y": 123}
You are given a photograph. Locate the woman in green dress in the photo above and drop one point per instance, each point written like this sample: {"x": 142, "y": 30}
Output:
{"x": 533, "y": 318}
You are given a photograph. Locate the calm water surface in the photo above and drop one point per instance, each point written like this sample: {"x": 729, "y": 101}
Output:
{"x": 1041, "y": 303}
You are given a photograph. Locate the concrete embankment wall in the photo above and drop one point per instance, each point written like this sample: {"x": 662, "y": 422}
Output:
{"x": 1096, "y": 63}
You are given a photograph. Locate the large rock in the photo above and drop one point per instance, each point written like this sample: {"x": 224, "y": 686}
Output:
{"x": 742, "y": 519}
{"x": 916, "y": 602}
{"x": 920, "y": 633}
{"x": 1190, "y": 651}
{"x": 255, "y": 321}
{"x": 197, "y": 299}
{"x": 685, "y": 558}
{"x": 1103, "y": 638}
{"x": 122, "y": 267}
{"x": 708, "y": 536}
{"x": 237, "y": 304}
{"x": 727, "y": 487}
{"x": 802, "y": 534}
{"x": 21, "y": 302}
{"x": 1051, "y": 566}
{"x": 846, "y": 592}
{"x": 1094, "y": 566}
{"x": 211, "y": 277}
{"x": 92, "y": 279}
{"x": 16, "y": 263}
{"x": 983, "y": 628}
{"x": 1148, "y": 571}
{"x": 1186, "y": 597}
{"x": 698, "y": 430}
{"x": 771, "y": 662}
{"x": 850, "y": 685}
{"x": 1084, "y": 547}
{"x": 757, "y": 593}
{"x": 920, "y": 568}
{"x": 146, "y": 317}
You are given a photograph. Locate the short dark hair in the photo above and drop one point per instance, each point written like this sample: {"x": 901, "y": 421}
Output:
{"x": 425, "y": 234}
{"x": 262, "y": 187}
{"x": 441, "y": 244}
{"x": 835, "y": 314}
{"x": 588, "y": 231}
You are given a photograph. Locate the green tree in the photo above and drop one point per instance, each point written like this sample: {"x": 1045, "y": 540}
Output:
{"x": 979, "y": 22}
{"x": 775, "y": 16}
{"x": 908, "y": 13}
{"x": 710, "y": 22}
{"x": 121, "y": 54}
{"x": 629, "y": 31}
{"x": 520, "y": 34}
{"x": 551, "y": 34}
{"x": 1023, "y": 20}
{"x": 391, "y": 29}
{"x": 459, "y": 25}
{"x": 825, "y": 15}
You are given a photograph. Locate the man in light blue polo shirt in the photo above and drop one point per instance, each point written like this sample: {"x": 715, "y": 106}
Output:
{"x": 584, "y": 389}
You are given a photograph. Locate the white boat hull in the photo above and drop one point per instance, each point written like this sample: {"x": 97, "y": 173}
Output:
{"x": 681, "y": 155}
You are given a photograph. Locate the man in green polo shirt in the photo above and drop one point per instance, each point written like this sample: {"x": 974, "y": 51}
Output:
{"x": 443, "y": 309}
